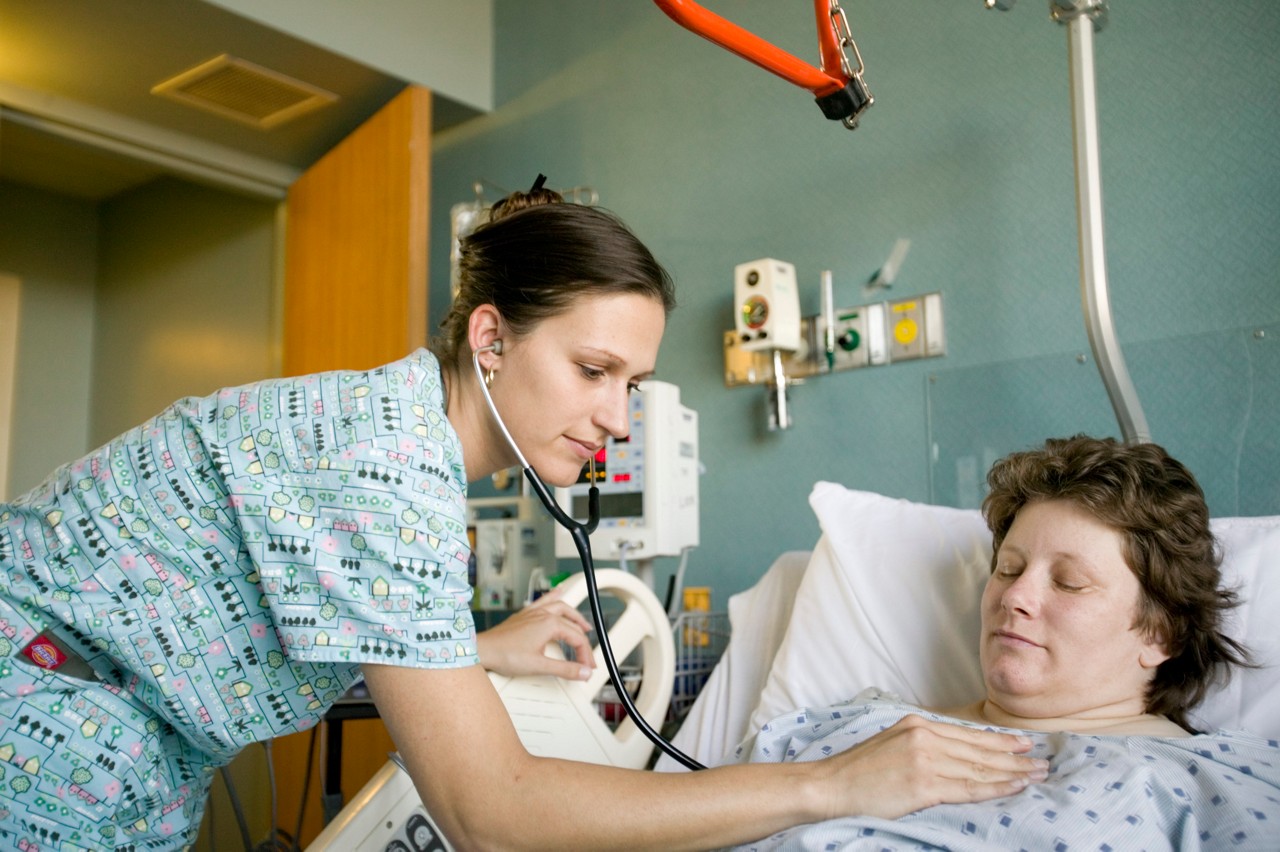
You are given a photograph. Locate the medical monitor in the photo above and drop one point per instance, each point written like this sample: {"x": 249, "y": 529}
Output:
{"x": 648, "y": 482}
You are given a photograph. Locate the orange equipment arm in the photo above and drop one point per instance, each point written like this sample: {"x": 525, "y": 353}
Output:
{"x": 837, "y": 86}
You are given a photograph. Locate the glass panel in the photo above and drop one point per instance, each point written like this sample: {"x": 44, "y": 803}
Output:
{"x": 1212, "y": 400}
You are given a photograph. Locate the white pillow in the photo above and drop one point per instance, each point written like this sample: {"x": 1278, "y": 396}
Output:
{"x": 891, "y": 599}
{"x": 1250, "y": 564}
{"x": 758, "y": 619}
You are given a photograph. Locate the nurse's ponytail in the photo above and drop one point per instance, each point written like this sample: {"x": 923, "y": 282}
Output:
{"x": 517, "y": 201}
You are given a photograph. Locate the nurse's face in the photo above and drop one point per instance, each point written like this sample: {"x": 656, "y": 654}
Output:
{"x": 1058, "y": 614}
{"x": 563, "y": 387}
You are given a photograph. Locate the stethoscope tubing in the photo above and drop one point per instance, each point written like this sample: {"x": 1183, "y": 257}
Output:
{"x": 580, "y": 533}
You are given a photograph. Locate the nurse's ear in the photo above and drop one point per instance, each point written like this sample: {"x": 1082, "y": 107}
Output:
{"x": 485, "y": 329}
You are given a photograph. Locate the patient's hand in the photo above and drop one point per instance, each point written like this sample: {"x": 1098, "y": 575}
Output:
{"x": 918, "y": 763}
{"x": 517, "y": 646}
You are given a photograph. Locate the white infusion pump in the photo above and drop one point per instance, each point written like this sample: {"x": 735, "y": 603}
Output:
{"x": 648, "y": 483}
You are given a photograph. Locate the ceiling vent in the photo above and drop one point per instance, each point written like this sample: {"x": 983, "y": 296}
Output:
{"x": 240, "y": 90}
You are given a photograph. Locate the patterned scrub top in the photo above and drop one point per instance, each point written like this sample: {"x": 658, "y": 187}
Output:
{"x": 230, "y": 563}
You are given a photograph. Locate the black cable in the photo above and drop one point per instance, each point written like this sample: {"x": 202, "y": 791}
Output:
{"x": 271, "y": 784}
{"x": 306, "y": 787}
{"x": 581, "y": 540}
{"x": 278, "y": 840}
{"x": 281, "y": 840}
{"x": 615, "y": 676}
{"x": 235, "y": 806}
{"x": 212, "y": 814}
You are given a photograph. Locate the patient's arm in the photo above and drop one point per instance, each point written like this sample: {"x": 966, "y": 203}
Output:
{"x": 487, "y": 792}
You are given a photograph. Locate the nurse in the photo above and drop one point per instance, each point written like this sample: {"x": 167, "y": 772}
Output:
{"x": 221, "y": 574}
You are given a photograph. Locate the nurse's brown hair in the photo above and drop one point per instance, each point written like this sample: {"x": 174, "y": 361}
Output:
{"x": 536, "y": 256}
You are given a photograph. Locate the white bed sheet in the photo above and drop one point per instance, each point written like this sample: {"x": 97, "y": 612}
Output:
{"x": 758, "y": 619}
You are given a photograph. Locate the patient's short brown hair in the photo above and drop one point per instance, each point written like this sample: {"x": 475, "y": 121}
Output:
{"x": 1159, "y": 509}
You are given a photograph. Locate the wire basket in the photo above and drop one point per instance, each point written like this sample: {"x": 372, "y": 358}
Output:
{"x": 700, "y": 640}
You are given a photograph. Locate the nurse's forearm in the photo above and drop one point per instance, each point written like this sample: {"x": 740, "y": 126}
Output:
{"x": 486, "y": 792}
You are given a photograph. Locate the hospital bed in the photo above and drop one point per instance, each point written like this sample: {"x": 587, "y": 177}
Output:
{"x": 888, "y": 597}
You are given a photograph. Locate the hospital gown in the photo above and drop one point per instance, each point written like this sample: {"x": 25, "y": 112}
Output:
{"x": 1217, "y": 791}
{"x": 224, "y": 569}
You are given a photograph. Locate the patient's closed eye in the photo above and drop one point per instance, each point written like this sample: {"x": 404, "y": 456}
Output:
{"x": 1070, "y": 583}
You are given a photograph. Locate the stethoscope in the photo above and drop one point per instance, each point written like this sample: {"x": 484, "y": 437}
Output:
{"x": 580, "y": 534}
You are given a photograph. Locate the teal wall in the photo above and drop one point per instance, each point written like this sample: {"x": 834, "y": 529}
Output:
{"x": 967, "y": 152}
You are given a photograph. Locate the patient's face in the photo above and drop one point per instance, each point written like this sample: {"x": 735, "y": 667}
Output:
{"x": 1057, "y": 620}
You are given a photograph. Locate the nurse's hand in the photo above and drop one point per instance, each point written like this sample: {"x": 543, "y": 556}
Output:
{"x": 517, "y": 646}
{"x": 918, "y": 763}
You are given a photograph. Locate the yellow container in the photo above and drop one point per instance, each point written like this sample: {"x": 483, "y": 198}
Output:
{"x": 696, "y": 599}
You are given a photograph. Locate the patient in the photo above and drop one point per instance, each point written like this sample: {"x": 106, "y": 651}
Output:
{"x": 1103, "y": 612}
{"x": 1101, "y": 629}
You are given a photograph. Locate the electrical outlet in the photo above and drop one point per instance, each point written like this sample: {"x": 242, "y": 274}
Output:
{"x": 875, "y": 341}
{"x": 865, "y": 336}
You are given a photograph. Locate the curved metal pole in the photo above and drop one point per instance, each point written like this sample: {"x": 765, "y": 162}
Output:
{"x": 1093, "y": 264}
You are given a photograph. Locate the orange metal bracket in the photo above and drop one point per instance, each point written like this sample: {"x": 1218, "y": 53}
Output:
{"x": 839, "y": 90}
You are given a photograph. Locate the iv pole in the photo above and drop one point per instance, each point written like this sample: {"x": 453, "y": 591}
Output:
{"x": 1082, "y": 18}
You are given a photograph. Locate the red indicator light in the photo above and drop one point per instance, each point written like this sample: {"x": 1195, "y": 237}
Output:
{"x": 622, "y": 477}
{"x": 601, "y": 455}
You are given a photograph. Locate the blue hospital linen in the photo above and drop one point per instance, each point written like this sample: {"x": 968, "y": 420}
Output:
{"x": 1216, "y": 791}
{"x": 224, "y": 569}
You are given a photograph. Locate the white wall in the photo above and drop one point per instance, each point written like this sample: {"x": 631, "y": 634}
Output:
{"x": 445, "y": 45}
